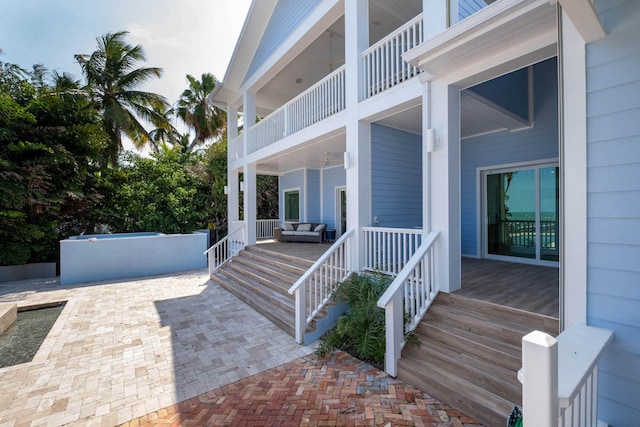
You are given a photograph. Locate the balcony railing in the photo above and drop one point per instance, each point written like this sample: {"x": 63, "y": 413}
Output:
{"x": 388, "y": 250}
{"x": 383, "y": 64}
{"x": 319, "y": 102}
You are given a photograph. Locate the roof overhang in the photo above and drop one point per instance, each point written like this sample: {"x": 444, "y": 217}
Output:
{"x": 504, "y": 36}
{"x": 254, "y": 26}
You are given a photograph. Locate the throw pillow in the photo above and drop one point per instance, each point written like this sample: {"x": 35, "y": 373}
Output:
{"x": 319, "y": 228}
{"x": 286, "y": 226}
{"x": 304, "y": 227}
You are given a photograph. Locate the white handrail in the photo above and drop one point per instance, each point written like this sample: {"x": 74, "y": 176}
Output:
{"x": 320, "y": 101}
{"x": 226, "y": 248}
{"x": 560, "y": 376}
{"x": 314, "y": 288}
{"x": 265, "y": 227}
{"x": 387, "y": 250}
{"x": 382, "y": 62}
{"x": 411, "y": 292}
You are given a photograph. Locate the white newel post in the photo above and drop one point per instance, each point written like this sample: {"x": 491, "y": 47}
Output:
{"x": 539, "y": 380}
{"x": 357, "y": 133}
{"x": 394, "y": 313}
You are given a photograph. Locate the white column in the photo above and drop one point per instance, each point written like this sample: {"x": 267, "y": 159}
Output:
{"x": 445, "y": 175}
{"x": 249, "y": 170}
{"x": 573, "y": 172}
{"x": 358, "y": 133}
{"x": 426, "y": 156}
{"x": 434, "y": 15}
{"x": 233, "y": 201}
{"x": 250, "y": 210}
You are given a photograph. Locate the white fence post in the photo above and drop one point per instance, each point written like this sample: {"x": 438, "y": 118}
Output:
{"x": 540, "y": 380}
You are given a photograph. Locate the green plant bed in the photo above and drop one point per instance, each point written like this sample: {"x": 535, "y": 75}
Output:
{"x": 361, "y": 330}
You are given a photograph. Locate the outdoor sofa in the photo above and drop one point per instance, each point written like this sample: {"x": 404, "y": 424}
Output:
{"x": 307, "y": 232}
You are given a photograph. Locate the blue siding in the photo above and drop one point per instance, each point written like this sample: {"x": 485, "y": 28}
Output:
{"x": 396, "y": 177}
{"x": 286, "y": 17}
{"x": 510, "y": 91}
{"x": 469, "y": 7}
{"x": 537, "y": 143}
{"x": 288, "y": 181}
{"x": 613, "y": 210}
{"x": 313, "y": 195}
{"x": 331, "y": 178}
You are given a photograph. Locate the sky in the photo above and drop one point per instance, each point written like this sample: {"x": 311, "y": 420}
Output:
{"x": 180, "y": 36}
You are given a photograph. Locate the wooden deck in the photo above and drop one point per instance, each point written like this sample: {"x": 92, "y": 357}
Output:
{"x": 308, "y": 251}
{"x": 526, "y": 287}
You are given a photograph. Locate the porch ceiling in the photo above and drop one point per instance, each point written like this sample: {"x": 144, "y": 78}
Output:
{"x": 320, "y": 154}
{"x": 326, "y": 53}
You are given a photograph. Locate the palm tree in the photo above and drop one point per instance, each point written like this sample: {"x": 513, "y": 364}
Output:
{"x": 208, "y": 121}
{"x": 165, "y": 133}
{"x": 112, "y": 80}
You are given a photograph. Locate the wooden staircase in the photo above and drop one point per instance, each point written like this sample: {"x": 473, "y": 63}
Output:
{"x": 262, "y": 278}
{"x": 469, "y": 355}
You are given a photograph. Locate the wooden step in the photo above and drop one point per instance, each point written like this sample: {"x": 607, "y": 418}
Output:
{"x": 270, "y": 279}
{"x": 491, "y": 377}
{"x": 533, "y": 321}
{"x": 470, "y": 399}
{"x": 281, "y": 259}
{"x": 481, "y": 347}
{"x": 277, "y": 314}
{"x": 469, "y": 355}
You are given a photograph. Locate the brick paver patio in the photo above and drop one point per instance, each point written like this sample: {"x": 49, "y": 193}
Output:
{"x": 179, "y": 350}
{"x": 333, "y": 391}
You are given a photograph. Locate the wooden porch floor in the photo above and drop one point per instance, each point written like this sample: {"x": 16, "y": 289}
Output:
{"x": 308, "y": 251}
{"x": 526, "y": 287}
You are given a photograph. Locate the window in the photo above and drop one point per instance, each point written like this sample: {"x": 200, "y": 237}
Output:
{"x": 292, "y": 206}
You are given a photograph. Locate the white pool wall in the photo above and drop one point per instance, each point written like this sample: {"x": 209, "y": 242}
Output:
{"x": 126, "y": 256}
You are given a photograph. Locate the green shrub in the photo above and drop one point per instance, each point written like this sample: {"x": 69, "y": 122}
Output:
{"x": 361, "y": 331}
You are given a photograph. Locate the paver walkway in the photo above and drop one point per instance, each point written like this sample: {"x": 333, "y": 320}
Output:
{"x": 123, "y": 349}
{"x": 334, "y": 391}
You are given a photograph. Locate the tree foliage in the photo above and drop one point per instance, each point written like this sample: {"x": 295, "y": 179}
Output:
{"x": 48, "y": 147}
{"x": 112, "y": 82}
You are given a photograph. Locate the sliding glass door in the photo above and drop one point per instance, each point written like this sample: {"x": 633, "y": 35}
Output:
{"x": 521, "y": 213}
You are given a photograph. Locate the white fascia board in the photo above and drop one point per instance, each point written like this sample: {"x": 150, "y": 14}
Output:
{"x": 322, "y": 17}
{"x": 399, "y": 98}
{"x": 584, "y": 18}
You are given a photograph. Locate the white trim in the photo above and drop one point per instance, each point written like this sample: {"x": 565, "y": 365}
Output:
{"x": 306, "y": 191}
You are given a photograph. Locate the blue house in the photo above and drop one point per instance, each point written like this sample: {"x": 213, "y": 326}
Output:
{"x": 434, "y": 134}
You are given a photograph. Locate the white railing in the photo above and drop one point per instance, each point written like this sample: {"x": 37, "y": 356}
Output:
{"x": 314, "y": 288}
{"x": 226, "y": 248}
{"x": 320, "y": 101}
{"x": 383, "y": 64}
{"x": 265, "y": 227}
{"x": 560, "y": 376}
{"x": 236, "y": 150}
{"x": 409, "y": 295}
{"x": 388, "y": 250}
